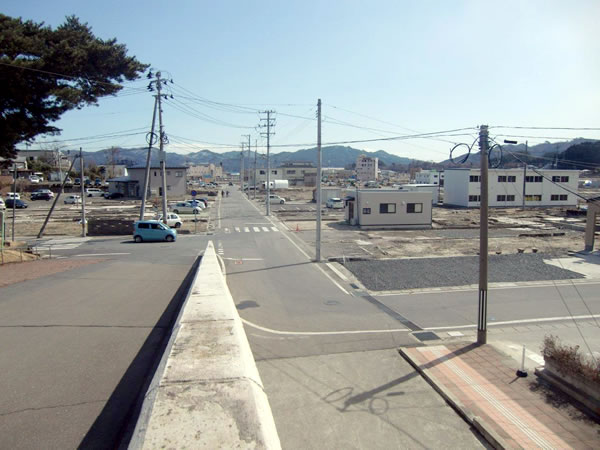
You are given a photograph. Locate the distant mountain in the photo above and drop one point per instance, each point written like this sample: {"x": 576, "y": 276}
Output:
{"x": 544, "y": 154}
{"x": 332, "y": 156}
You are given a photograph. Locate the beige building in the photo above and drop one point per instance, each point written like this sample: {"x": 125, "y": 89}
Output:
{"x": 388, "y": 208}
{"x": 207, "y": 172}
{"x": 367, "y": 168}
{"x": 297, "y": 174}
{"x": 133, "y": 185}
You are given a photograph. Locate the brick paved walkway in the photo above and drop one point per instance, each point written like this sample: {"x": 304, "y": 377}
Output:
{"x": 511, "y": 412}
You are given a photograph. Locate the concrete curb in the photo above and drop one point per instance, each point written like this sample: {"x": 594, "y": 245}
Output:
{"x": 476, "y": 422}
{"x": 207, "y": 391}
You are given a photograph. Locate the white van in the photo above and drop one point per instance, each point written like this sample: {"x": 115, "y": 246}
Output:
{"x": 94, "y": 192}
{"x": 72, "y": 199}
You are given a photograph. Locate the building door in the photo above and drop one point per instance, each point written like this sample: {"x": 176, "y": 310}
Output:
{"x": 350, "y": 211}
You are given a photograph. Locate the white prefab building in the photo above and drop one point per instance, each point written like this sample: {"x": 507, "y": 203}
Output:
{"x": 388, "y": 208}
{"x": 433, "y": 188}
{"x": 462, "y": 187}
{"x": 428, "y": 177}
{"x": 367, "y": 168}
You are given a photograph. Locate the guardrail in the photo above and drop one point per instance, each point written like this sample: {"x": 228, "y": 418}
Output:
{"x": 206, "y": 392}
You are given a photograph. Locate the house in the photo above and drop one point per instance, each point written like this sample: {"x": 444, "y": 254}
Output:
{"x": 428, "y": 177}
{"x": 204, "y": 172}
{"x": 367, "y": 168}
{"x": 462, "y": 187}
{"x": 133, "y": 184}
{"x": 388, "y": 208}
{"x": 297, "y": 173}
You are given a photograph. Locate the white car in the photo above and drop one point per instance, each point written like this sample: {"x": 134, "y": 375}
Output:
{"x": 335, "y": 203}
{"x": 13, "y": 195}
{"x": 276, "y": 199}
{"x": 94, "y": 192}
{"x": 173, "y": 220}
{"x": 186, "y": 208}
{"x": 2, "y": 205}
{"x": 34, "y": 179}
{"x": 72, "y": 199}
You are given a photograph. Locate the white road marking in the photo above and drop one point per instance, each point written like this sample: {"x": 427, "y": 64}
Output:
{"x": 256, "y": 229}
{"x": 244, "y": 259}
{"x": 237, "y": 229}
{"x": 317, "y": 265}
{"x": 102, "y": 254}
{"x": 265, "y": 229}
{"x": 337, "y": 272}
{"x": 518, "y": 321}
{"x": 246, "y": 230}
{"x": 322, "y": 333}
{"x": 274, "y": 228}
{"x": 227, "y": 230}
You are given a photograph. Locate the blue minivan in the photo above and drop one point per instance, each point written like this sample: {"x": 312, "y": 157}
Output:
{"x": 152, "y": 230}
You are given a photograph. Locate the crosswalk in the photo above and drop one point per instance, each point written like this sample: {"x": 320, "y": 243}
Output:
{"x": 253, "y": 229}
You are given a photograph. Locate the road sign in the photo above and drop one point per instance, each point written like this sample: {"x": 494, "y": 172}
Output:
{"x": 194, "y": 193}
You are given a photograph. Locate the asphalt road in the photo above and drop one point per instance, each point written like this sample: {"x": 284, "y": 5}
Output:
{"x": 78, "y": 345}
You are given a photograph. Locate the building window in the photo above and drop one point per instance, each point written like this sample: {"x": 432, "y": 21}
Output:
{"x": 179, "y": 173}
{"x": 474, "y": 198}
{"x": 414, "y": 208}
{"x": 290, "y": 172}
{"x": 273, "y": 172}
{"x": 533, "y": 179}
{"x": 387, "y": 208}
{"x": 501, "y": 198}
{"x": 168, "y": 188}
{"x": 366, "y": 210}
{"x": 262, "y": 172}
{"x": 155, "y": 173}
{"x": 558, "y": 197}
{"x": 474, "y": 179}
{"x": 564, "y": 179}
{"x": 533, "y": 198}
{"x": 501, "y": 178}
{"x": 512, "y": 179}
{"x": 510, "y": 198}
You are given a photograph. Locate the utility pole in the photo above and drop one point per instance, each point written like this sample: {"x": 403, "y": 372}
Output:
{"x": 524, "y": 174}
{"x": 254, "y": 177}
{"x": 14, "y": 199}
{"x": 151, "y": 140}
{"x": 269, "y": 123}
{"x": 242, "y": 169}
{"x": 82, "y": 183}
{"x": 483, "y": 238}
{"x": 319, "y": 168}
{"x": 162, "y": 156}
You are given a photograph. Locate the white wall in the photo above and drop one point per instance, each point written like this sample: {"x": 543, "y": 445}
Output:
{"x": 401, "y": 218}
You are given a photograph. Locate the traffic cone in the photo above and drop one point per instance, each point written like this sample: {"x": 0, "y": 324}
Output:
{"x": 297, "y": 228}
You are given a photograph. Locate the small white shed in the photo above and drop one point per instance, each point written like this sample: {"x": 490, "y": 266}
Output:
{"x": 388, "y": 208}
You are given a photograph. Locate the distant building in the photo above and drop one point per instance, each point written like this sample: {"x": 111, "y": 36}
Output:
{"x": 428, "y": 177}
{"x": 388, "y": 208}
{"x": 297, "y": 174}
{"x": 433, "y": 188}
{"x": 208, "y": 172}
{"x": 462, "y": 187}
{"x": 367, "y": 168}
{"x": 133, "y": 185}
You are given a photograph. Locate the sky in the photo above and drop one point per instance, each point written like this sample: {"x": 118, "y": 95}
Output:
{"x": 382, "y": 69}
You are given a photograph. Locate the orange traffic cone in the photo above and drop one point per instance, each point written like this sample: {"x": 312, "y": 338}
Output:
{"x": 297, "y": 228}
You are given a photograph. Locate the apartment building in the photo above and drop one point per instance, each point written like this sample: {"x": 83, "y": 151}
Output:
{"x": 297, "y": 174}
{"x": 367, "y": 168}
{"x": 505, "y": 187}
{"x": 428, "y": 177}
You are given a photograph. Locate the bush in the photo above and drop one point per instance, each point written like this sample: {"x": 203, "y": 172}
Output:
{"x": 569, "y": 361}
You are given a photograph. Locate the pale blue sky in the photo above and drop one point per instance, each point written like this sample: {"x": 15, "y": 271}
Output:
{"x": 417, "y": 65}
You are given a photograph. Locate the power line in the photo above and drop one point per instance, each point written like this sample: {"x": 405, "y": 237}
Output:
{"x": 546, "y": 128}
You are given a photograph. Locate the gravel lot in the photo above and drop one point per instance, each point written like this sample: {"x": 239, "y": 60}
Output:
{"x": 398, "y": 274}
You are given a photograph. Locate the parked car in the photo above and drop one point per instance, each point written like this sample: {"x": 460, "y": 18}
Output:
{"x": 173, "y": 220}
{"x": 335, "y": 203}
{"x": 77, "y": 181}
{"x": 69, "y": 181}
{"x": 72, "y": 199}
{"x": 230, "y": 183}
{"x": 34, "y": 179}
{"x": 152, "y": 230}
{"x": 113, "y": 195}
{"x": 98, "y": 182}
{"x": 94, "y": 192}
{"x": 186, "y": 208}
{"x": 2, "y": 205}
{"x": 13, "y": 195}
{"x": 198, "y": 202}
{"x": 18, "y": 204}
{"x": 41, "y": 196}
{"x": 276, "y": 199}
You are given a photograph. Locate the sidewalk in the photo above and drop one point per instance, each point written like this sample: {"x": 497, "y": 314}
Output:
{"x": 511, "y": 412}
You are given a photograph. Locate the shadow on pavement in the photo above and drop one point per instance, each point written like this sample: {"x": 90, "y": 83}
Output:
{"x": 114, "y": 426}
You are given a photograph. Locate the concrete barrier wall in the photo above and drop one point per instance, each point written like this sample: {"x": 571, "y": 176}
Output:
{"x": 207, "y": 392}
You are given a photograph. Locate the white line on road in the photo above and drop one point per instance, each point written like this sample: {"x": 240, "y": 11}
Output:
{"x": 256, "y": 229}
{"x": 337, "y": 272}
{"x": 323, "y": 333}
{"x": 246, "y": 230}
{"x": 102, "y": 254}
{"x": 518, "y": 321}
{"x": 265, "y": 229}
{"x": 244, "y": 259}
{"x": 237, "y": 229}
{"x": 274, "y": 228}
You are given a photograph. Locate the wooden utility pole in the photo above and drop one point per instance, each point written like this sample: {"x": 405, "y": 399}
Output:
{"x": 319, "y": 169}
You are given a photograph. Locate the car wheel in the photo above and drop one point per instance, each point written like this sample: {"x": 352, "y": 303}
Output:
{"x": 169, "y": 238}
{"x": 176, "y": 211}
{"x": 138, "y": 239}
{"x": 178, "y": 225}
{"x": 282, "y": 202}
{"x": 89, "y": 195}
